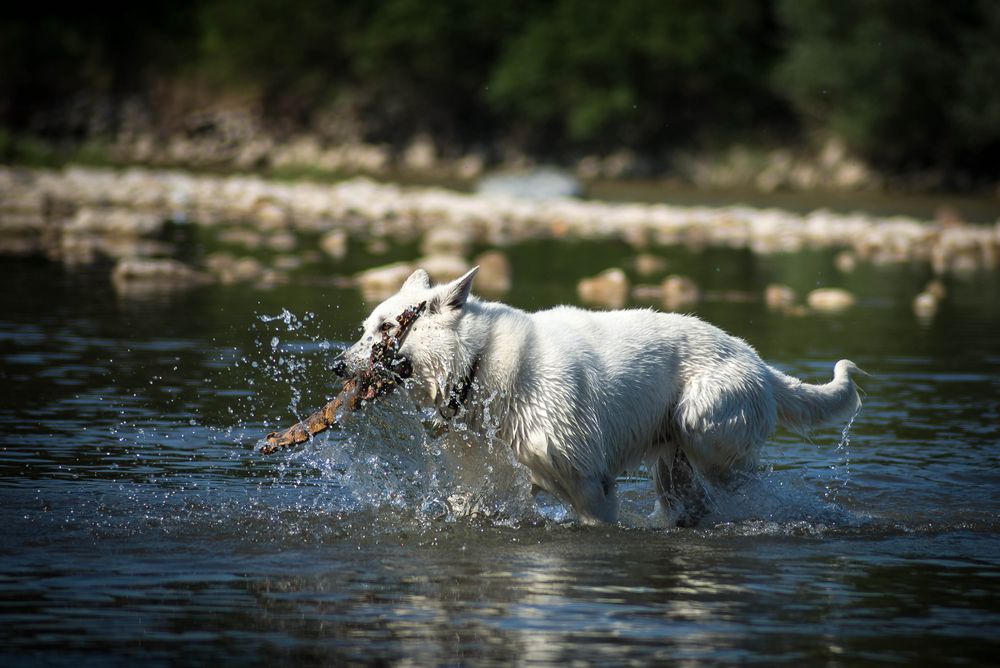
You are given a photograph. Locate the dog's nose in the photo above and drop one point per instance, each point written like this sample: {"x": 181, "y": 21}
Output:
{"x": 340, "y": 366}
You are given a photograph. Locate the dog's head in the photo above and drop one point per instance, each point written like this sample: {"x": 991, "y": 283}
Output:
{"x": 432, "y": 345}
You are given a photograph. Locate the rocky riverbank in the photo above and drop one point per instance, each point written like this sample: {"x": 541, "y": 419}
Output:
{"x": 80, "y": 215}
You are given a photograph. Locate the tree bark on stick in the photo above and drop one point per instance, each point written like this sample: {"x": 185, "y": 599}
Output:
{"x": 385, "y": 370}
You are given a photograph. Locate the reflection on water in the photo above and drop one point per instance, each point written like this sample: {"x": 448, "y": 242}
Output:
{"x": 140, "y": 525}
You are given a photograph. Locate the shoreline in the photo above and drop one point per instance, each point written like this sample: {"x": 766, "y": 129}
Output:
{"x": 81, "y": 214}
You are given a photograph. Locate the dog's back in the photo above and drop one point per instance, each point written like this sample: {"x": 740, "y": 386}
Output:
{"x": 622, "y": 383}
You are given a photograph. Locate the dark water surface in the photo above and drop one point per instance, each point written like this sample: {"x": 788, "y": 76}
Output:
{"x": 139, "y": 524}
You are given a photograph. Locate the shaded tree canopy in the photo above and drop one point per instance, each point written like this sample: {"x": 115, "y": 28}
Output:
{"x": 908, "y": 85}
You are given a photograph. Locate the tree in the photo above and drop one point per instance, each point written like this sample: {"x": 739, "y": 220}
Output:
{"x": 639, "y": 72}
{"x": 904, "y": 83}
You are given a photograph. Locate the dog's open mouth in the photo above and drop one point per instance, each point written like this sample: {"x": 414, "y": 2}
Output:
{"x": 386, "y": 369}
{"x": 399, "y": 366}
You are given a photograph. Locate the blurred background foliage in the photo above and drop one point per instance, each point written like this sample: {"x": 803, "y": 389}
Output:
{"x": 906, "y": 85}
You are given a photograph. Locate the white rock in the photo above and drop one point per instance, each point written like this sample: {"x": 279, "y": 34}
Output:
{"x": 115, "y": 221}
{"x": 846, "y": 261}
{"x": 543, "y": 183}
{"x": 937, "y": 288}
{"x": 494, "y": 275}
{"x": 647, "y": 265}
{"x": 779, "y": 297}
{"x": 380, "y": 282}
{"x": 925, "y": 305}
{"x": 610, "y": 288}
{"x": 443, "y": 268}
{"x": 645, "y": 292}
{"x": 446, "y": 240}
{"x": 167, "y": 272}
{"x": 282, "y": 242}
{"x": 421, "y": 154}
{"x": 334, "y": 244}
{"x": 679, "y": 292}
{"x": 830, "y": 300}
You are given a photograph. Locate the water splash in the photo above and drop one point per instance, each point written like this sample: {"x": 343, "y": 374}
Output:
{"x": 389, "y": 466}
{"x": 778, "y": 503}
{"x": 388, "y": 459}
{"x": 290, "y": 357}
{"x": 841, "y": 471}
{"x": 397, "y": 467}
{"x": 291, "y": 321}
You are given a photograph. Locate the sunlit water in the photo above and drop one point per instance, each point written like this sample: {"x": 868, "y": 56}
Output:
{"x": 140, "y": 524}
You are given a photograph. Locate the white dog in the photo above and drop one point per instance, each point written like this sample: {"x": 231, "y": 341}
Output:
{"x": 582, "y": 396}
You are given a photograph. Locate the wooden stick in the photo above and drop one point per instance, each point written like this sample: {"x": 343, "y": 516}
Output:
{"x": 385, "y": 371}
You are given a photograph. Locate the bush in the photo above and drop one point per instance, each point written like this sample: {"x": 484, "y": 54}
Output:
{"x": 48, "y": 62}
{"x": 910, "y": 85}
{"x": 640, "y": 72}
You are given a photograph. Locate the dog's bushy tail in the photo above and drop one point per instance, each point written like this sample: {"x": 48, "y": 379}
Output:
{"x": 802, "y": 406}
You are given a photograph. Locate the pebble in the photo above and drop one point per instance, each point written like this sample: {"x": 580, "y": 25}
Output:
{"x": 378, "y": 283}
{"x": 334, "y": 244}
{"x": 648, "y": 265}
{"x": 243, "y": 237}
{"x": 830, "y": 300}
{"x": 138, "y": 275}
{"x": 679, "y": 292}
{"x": 646, "y": 292}
{"x": 540, "y": 183}
{"x": 937, "y": 288}
{"x": 282, "y": 242}
{"x": 609, "y": 289}
{"x": 445, "y": 240}
{"x": 288, "y": 262}
{"x": 779, "y": 297}
{"x": 846, "y": 261}
{"x": 115, "y": 222}
{"x": 495, "y": 275}
{"x": 443, "y": 268}
{"x": 925, "y": 305}
{"x": 230, "y": 269}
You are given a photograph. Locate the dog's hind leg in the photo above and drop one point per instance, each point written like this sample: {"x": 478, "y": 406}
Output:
{"x": 681, "y": 493}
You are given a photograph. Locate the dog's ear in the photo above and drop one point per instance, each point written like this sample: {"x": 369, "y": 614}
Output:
{"x": 418, "y": 280}
{"x": 456, "y": 293}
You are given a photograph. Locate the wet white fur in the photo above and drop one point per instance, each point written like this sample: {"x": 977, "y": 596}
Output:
{"x": 584, "y": 395}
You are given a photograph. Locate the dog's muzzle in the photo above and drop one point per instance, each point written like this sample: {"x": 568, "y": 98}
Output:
{"x": 400, "y": 366}
{"x": 384, "y": 356}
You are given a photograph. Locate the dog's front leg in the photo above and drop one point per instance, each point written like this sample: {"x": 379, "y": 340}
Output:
{"x": 595, "y": 500}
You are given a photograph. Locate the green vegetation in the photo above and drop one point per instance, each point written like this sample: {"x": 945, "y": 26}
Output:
{"x": 911, "y": 86}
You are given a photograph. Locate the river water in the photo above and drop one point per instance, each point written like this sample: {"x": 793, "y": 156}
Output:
{"x": 139, "y": 524}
